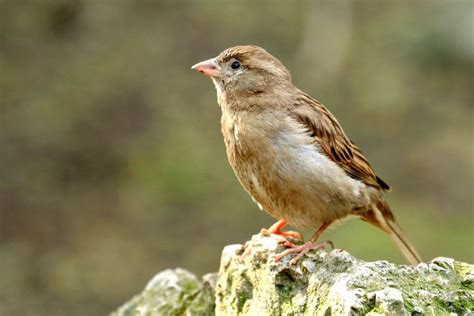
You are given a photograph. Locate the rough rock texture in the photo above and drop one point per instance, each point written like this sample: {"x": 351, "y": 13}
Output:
{"x": 173, "y": 292}
{"x": 322, "y": 284}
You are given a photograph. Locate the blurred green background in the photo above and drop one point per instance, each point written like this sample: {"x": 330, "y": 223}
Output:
{"x": 112, "y": 162}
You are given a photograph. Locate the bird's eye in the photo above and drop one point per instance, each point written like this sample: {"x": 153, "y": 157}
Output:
{"x": 235, "y": 65}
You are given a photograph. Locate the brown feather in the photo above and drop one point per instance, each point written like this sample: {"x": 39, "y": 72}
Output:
{"x": 333, "y": 141}
{"x": 291, "y": 154}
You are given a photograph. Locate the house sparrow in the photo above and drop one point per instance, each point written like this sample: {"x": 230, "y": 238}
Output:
{"x": 291, "y": 154}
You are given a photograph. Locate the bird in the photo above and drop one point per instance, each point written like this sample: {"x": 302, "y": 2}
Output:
{"x": 290, "y": 153}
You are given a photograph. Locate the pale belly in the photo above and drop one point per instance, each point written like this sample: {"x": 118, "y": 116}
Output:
{"x": 292, "y": 180}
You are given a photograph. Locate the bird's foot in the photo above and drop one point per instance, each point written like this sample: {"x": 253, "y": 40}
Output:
{"x": 284, "y": 234}
{"x": 301, "y": 250}
{"x": 247, "y": 250}
{"x": 275, "y": 229}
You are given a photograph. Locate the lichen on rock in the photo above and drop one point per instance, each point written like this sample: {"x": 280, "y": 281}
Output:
{"x": 173, "y": 292}
{"x": 322, "y": 283}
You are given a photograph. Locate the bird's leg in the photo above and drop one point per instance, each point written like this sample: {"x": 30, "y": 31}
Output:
{"x": 301, "y": 250}
{"x": 276, "y": 230}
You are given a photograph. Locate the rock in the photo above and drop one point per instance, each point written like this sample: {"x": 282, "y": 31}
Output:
{"x": 173, "y": 292}
{"x": 322, "y": 283}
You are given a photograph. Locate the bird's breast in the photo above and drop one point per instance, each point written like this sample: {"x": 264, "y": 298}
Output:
{"x": 284, "y": 170}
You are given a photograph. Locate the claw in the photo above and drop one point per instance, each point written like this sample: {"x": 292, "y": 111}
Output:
{"x": 276, "y": 230}
{"x": 301, "y": 250}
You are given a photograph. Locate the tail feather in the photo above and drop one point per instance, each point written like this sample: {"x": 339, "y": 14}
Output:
{"x": 381, "y": 216}
{"x": 403, "y": 243}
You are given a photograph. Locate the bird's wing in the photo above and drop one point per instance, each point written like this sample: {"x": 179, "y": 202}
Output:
{"x": 324, "y": 127}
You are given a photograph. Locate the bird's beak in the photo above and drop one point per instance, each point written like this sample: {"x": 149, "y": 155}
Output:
{"x": 209, "y": 68}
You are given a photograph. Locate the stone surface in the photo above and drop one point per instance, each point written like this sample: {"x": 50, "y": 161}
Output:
{"x": 173, "y": 292}
{"x": 322, "y": 283}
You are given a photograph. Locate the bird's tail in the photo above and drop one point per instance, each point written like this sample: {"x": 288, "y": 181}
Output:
{"x": 381, "y": 216}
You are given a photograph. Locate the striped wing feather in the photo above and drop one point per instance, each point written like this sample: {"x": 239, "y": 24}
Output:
{"x": 327, "y": 131}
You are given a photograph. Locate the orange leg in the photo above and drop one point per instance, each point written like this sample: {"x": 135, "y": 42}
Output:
{"x": 276, "y": 229}
{"x": 305, "y": 248}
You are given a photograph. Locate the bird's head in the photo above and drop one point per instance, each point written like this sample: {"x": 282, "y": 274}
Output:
{"x": 244, "y": 71}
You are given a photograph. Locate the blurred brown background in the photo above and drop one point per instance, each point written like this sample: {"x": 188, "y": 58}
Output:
{"x": 112, "y": 162}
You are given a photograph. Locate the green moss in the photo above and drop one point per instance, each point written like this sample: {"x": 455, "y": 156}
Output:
{"x": 256, "y": 285}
